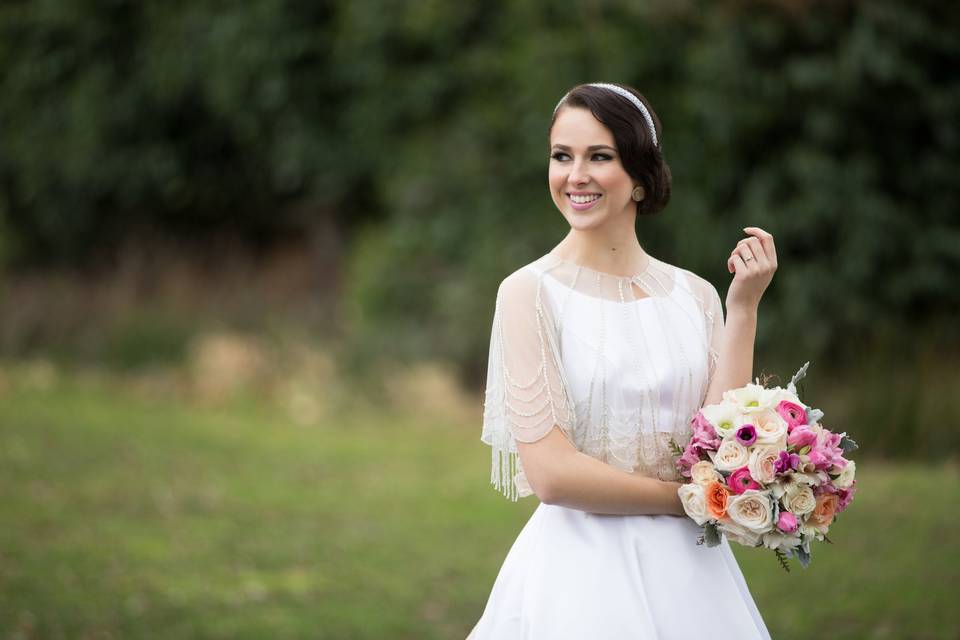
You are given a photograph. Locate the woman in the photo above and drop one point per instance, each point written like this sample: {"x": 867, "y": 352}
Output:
{"x": 600, "y": 354}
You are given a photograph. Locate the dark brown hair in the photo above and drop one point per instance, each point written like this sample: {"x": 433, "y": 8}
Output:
{"x": 641, "y": 158}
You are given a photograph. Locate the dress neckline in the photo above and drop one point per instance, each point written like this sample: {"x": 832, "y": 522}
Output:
{"x": 635, "y": 276}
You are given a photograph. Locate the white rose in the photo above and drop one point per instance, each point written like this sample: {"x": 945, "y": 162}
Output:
{"x": 703, "y": 473}
{"x": 723, "y": 416}
{"x": 751, "y": 509}
{"x": 762, "y": 462}
{"x": 694, "y": 502}
{"x": 845, "y": 479}
{"x": 799, "y": 500}
{"x": 770, "y": 427}
{"x": 730, "y": 455}
{"x": 739, "y": 534}
{"x": 777, "y": 539}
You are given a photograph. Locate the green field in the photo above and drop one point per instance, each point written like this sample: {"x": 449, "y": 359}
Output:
{"x": 132, "y": 514}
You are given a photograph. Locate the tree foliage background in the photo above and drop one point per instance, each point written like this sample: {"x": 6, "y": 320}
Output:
{"x": 418, "y": 131}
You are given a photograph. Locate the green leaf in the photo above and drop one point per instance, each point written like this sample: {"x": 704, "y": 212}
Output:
{"x": 711, "y": 534}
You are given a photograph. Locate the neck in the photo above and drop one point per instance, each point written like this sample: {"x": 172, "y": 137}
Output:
{"x": 609, "y": 253}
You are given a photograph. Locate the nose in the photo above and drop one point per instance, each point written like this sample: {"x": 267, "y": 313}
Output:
{"x": 578, "y": 174}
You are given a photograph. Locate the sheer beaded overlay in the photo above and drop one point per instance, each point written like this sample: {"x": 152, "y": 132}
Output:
{"x": 584, "y": 351}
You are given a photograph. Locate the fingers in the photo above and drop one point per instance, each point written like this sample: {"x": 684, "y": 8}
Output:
{"x": 735, "y": 264}
{"x": 754, "y": 254}
{"x": 766, "y": 240}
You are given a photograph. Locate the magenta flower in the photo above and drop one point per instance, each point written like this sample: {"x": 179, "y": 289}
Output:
{"x": 747, "y": 435}
{"x": 741, "y": 480}
{"x": 786, "y": 462}
{"x": 792, "y": 413}
{"x": 787, "y": 522}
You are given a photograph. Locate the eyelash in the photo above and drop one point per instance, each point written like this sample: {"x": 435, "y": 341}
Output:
{"x": 560, "y": 153}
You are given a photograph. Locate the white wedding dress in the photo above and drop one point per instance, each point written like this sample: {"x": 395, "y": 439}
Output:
{"x": 619, "y": 365}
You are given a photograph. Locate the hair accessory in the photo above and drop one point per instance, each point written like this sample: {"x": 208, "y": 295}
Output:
{"x": 629, "y": 96}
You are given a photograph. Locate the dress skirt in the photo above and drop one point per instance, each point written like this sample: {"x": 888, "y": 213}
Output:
{"x": 572, "y": 575}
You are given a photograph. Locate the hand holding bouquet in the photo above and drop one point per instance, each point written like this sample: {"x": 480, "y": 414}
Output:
{"x": 764, "y": 472}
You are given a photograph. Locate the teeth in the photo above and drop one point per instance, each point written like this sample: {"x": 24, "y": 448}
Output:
{"x": 584, "y": 199}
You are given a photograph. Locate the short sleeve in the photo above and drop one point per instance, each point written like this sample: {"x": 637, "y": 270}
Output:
{"x": 715, "y": 325}
{"x": 526, "y": 392}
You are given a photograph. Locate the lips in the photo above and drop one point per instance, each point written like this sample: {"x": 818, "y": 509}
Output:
{"x": 583, "y": 201}
{"x": 583, "y": 198}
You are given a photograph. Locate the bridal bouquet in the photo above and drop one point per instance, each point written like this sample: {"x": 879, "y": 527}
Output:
{"x": 764, "y": 472}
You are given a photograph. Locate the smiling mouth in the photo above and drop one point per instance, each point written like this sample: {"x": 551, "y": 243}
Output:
{"x": 578, "y": 199}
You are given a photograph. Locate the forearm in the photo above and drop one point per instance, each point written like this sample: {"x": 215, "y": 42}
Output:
{"x": 735, "y": 363}
{"x": 588, "y": 484}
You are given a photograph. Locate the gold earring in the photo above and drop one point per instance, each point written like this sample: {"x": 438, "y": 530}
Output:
{"x": 637, "y": 194}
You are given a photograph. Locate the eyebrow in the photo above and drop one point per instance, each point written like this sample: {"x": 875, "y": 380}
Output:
{"x": 592, "y": 147}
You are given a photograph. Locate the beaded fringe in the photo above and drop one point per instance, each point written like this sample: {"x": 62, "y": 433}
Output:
{"x": 503, "y": 469}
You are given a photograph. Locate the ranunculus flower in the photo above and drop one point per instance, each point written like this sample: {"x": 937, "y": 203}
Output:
{"x": 787, "y": 522}
{"x": 802, "y": 436}
{"x": 703, "y": 473}
{"x": 751, "y": 509}
{"x": 747, "y": 435}
{"x": 823, "y": 512}
{"x": 792, "y": 413}
{"x": 717, "y": 495}
{"x": 731, "y": 455}
{"x": 762, "y": 462}
{"x": 740, "y": 480}
{"x": 693, "y": 501}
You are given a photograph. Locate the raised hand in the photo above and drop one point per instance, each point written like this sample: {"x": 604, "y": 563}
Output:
{"x": 752, "y": 262}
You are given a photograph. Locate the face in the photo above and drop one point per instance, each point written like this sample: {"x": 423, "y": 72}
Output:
{"x": 587, "y": 180}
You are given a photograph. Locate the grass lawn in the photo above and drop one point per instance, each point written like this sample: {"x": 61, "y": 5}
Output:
{"x": 130, "y": 517}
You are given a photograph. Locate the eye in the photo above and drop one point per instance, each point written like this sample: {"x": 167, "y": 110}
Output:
{"x": 601, "y": 156}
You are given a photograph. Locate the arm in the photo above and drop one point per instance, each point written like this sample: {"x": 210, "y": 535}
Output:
{"x": 735, "y": 365}
{"x": 561, "y": 475}
{"x": 736, "y": 336}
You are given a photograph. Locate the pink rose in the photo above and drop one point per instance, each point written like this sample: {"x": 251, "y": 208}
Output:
{"x": 787, "y": 522}
{"x": 802, "y": 436}
{"x": 741, "y": 480}
{"x": 792, "y": 413}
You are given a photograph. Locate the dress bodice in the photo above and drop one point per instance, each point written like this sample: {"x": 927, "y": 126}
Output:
{"x": 619, "y": 363}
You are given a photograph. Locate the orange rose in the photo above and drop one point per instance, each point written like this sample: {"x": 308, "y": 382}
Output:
{"x": 825, "y": 510}
{"x": 716, "y": 494}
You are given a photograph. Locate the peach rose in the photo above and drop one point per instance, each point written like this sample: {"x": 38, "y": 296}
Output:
{"x": 716, "y": 494}
{"x": 825, "y": 509}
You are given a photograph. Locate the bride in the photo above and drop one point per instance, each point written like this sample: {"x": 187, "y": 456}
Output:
{"x": 600, "y": 354}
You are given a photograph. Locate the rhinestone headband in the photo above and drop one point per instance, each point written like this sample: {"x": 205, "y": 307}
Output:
{"x": 629, "y": 96}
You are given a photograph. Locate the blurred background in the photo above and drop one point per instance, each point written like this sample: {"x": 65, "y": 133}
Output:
{"x": 249, "y": 254}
